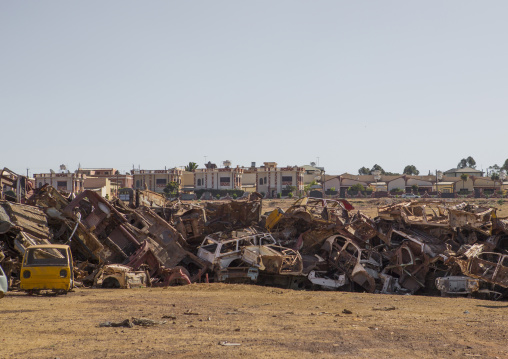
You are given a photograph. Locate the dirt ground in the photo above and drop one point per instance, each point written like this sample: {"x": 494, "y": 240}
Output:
{"x": 266, "y": 322}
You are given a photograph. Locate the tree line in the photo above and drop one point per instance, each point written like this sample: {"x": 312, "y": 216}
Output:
{"x": 411, "y": 170}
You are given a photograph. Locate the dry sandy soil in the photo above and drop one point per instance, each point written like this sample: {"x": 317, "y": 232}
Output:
{"x": 267, "y": 322}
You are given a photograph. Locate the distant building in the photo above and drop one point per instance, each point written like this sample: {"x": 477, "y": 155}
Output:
{"x": 156, "y": 180}
{"x": 64, "y": 181}
{"x": 457, "y": 172}
{"x": 268, "y": 179}
{"x": 101, "y": 185}
{"x": 117, "y": 179}
{"x": 212, "y": 177}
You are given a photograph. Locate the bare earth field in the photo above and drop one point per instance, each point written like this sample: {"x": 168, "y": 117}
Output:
{"x": 267, "y": 322}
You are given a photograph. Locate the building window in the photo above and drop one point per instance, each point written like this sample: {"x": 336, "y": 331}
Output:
{"x": 225, "y": 181}
{"x": 40, "y": 184}
{"x": 160, "y": 182}
{"x": 137, "y": 184}
{"x": 61, "y": 185}
{"x": 261, "y": 181}
{"x": 106, "y": 173}
{"x": 199, "y": 182}
{"x": 287, "y": 180}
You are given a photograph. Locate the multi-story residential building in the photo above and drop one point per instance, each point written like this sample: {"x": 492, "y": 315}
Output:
{"x": 212, "y": 177}
{"x": 457, "y": 172}
{"x": 156, "y": 180}
{"x": 268, "y": 179}
{"x": 117, "y": 179}
{"x": 64, "y": 181}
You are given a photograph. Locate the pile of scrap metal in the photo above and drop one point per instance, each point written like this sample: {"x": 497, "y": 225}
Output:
{"x": 112, "y": 245}
{"x": 14, "y": 187}
{"x": 414, "y": 247}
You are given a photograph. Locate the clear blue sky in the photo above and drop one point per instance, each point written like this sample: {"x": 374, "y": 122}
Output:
{"x": 162, "y": 83}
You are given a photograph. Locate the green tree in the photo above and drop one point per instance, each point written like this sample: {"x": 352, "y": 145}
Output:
{"x": 415, "y": 188}
{"x": 505, "y": 166}
{"x": 365, "y": 171}
{"x": 464, "y": 178}
{"x": 171, "y": 189}
{"x": 494, "y": 169}
{"x": 191, "y": 167}
{"x": 290, "y": 188}
{"x": 356, "y": 188}
{"x": 471, "y": 162}
{"x": 467, "y": 162}
{"x": 308, "y": 187}
{"x": 411, "y": 170}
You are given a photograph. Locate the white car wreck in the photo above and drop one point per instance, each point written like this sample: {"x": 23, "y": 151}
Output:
{"x": 220, "y": 253}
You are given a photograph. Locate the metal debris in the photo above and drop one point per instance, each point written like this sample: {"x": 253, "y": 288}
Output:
{"x": 412, "y": 247}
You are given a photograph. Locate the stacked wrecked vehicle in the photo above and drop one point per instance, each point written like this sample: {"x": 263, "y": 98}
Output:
{"x": 412, "y": 247}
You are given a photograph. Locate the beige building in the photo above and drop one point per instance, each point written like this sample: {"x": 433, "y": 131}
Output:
{"x": 268, "y": 179}
{"x": 187, "y": 181}
{"x": 116, "y": 178}
{"x": 212, "y": 177}
{"x": 457, "y": 172}
{"x": 156, "y": 180}
{"x": 64, "y": 181}
{"x": 101, "y": 185}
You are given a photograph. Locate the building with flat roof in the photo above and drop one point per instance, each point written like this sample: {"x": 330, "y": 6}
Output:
{"x": 268, "y": 179}
{"x": 117, "y": 179}
{"x": 64, "y": 181}
{"x": 156, "y": 180}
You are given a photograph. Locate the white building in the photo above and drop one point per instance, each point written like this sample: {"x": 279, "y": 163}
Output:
{"x": 268, "y": 179}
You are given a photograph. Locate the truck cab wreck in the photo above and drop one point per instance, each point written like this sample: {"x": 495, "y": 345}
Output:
{"x": 47, "y": 267}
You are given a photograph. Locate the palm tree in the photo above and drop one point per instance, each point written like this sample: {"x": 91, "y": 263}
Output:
{"x": 191, "y": 167}
{"x": 464, "y": 178}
